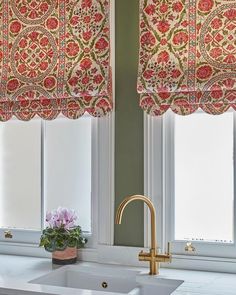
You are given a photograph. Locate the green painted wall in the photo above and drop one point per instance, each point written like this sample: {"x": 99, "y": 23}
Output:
{"x": 129, "y": 124}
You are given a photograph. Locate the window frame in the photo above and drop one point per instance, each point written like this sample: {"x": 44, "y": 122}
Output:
{"x": 102, "y": 191}
{"x": 158, "y": 185}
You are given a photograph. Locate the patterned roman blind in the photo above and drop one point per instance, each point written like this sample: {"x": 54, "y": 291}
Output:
{"x": 54, "y": 58}
{"x": 187, "y": 56}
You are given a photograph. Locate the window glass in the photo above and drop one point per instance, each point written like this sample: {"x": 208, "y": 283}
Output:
{"x": 20, "y": 174}
{"x": 66, "y": 170}
{"x": 68, "y": 167}
{"x": 204, "y": 177}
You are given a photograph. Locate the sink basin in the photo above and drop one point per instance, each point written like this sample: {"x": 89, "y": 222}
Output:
{"x": 96, "y": 278}
{"x": 104, "y": 279}
{"x": 157, "y": 285}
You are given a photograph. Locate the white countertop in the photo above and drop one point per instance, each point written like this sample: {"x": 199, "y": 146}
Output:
{"x": 16, "y": 271}
{"x": 202, "y": 283}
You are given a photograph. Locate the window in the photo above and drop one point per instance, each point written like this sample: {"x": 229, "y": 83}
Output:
{"x": 204, "y": 177}
{"x": 190, "y": 176}
{"x": 44, "y": 165}
{"x": 67, "y": 152}
{"x": 20, "y": 189}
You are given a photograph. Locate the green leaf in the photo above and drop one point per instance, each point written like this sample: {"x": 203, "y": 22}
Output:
{"x": 59, "y": 238}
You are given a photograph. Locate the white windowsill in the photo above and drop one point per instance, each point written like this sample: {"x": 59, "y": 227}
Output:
{"x": 127, "y": 256}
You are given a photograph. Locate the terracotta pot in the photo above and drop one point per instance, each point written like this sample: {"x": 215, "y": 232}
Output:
{"x": 68, "y": 256}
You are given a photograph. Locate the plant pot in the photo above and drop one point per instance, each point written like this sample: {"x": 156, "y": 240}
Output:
{"x": 67, "y": 256}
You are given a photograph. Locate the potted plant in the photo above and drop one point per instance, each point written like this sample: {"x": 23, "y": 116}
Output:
{"x": 62, "y": 236}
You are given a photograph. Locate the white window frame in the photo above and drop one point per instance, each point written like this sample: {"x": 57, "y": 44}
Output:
{"x": 29, "y": 236}
{"x": 102, "y": 192}
{"x": 158, "y": 185}
{"x": 102, "y": 196}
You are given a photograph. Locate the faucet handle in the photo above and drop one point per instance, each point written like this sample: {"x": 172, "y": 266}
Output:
{"x": 168, "y": 249}
{"x": 169, "y": 252}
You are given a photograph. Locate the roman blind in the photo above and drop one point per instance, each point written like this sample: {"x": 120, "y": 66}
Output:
{"x": 187, "y": 56}
{"x": 54, "y": 58}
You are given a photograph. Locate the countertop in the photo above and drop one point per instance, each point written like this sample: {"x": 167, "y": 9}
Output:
{"x": 17, "y": 271}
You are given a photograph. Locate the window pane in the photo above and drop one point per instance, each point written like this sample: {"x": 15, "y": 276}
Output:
{"x": 204, "y": 177}
{"x": 68, "y": 167}
{"x": 20, "y": 181}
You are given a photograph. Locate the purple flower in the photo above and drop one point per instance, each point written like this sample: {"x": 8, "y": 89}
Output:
{"x": 61, "y": 218}
{"x": 48, "y": 216}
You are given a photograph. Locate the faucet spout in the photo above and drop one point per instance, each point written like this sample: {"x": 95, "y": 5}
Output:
{"x": 126, "y": 201}
{"x": 152, "y": 257}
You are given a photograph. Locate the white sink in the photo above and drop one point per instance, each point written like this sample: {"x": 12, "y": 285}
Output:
{"x": 107, "y": 280}
{"x": 97, "y": 278}
{"x": 156, "y": 285}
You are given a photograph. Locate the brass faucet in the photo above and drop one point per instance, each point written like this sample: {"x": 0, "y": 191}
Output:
{"x": 153, "y": 257}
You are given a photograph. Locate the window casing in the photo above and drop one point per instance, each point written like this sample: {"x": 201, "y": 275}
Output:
{"x": 160, "y": 187}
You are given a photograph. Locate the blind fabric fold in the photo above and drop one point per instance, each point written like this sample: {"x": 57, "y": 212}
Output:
{"x": 54, "y": 58}
{"x": 187, "y": 56}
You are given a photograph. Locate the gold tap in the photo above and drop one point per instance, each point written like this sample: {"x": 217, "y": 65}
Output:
{"x": 153, "y": 257}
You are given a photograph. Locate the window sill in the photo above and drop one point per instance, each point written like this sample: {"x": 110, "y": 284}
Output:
{"x": 127, "y": 256}
{"x": 203, "y": 263}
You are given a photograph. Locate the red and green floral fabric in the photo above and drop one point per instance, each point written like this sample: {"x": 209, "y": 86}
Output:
{"x": 187, "y": 56}
{"x": 54, "y": 58}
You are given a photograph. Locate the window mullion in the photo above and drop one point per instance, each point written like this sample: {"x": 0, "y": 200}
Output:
{"x": 168, "y": 176}
{"x": 234, "y": 153}
{"x": 43, "y": 135}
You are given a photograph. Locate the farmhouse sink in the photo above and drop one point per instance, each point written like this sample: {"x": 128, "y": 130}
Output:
{"x": 107, "y": 280}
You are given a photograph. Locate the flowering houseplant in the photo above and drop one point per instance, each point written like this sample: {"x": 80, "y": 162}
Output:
{"x": 62, "y": 231}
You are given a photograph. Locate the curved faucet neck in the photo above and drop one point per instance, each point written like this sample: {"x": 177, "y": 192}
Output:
{"x": 151, "y": 207}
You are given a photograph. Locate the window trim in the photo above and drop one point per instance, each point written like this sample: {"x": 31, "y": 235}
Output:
{"x": 157, "y": 169}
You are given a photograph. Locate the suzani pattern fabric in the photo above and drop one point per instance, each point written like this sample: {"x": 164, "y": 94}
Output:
{"x": 54, "y": 58}
{"x": 187, "y": 56}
